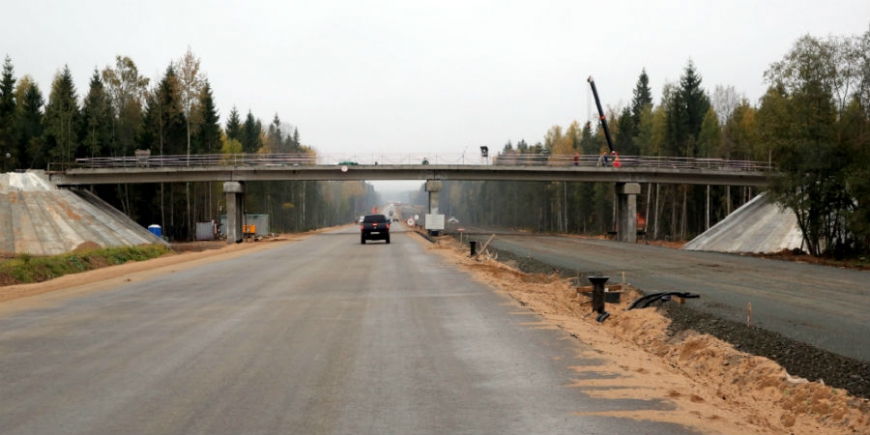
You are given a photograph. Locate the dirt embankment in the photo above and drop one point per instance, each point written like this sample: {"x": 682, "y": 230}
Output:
{"x": 798, "y": 358}
{"x": 714, "y": 387}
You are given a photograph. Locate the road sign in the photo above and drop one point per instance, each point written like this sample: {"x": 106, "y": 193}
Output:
{"x": 435, "y": 222}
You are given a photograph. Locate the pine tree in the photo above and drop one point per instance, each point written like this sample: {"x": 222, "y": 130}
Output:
{"x": 625, "y": 133}
{"x": 62, "y": 119}
{"x": 97, "y": 119}
{"x": 696, "y": 106}
{"x": 164, "y": 115}
{"x": 522, "y": 146}
{"x": 297, "y": 146}
{"x": 210, "y": 132}
{"x": 642, "y": 97}
{"x": 275, "y": 137}
{"x": 685, "y": 106}
{"x": 251, "y": 130}
{"x": 31, "y": 153}
{"x": 8, "y": 145}
{"x": 7, "y": 89}
{"x": 234, "y": 125}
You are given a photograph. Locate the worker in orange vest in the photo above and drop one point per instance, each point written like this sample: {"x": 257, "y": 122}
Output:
{"x": 616, "y": 163}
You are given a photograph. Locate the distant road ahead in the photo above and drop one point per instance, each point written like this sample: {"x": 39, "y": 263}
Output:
{"x": 826, "y": 307}
{"x": 318, "y": 336}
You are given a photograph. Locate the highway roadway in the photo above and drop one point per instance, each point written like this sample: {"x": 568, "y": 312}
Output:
{"x": 321, "y": 335}
{"x": 823, "y": 306}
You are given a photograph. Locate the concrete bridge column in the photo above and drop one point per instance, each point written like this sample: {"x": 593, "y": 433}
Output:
{"x": 433, "y": 187}
{"x": 235, "y": 191}
{"x": 626, "y": 211}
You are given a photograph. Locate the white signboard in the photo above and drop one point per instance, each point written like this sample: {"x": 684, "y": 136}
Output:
{"x": 434, "y": 221}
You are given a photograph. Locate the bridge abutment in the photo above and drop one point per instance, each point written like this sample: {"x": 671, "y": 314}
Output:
{"x": 235, "y": 191}
{"x": 626, "y": 211}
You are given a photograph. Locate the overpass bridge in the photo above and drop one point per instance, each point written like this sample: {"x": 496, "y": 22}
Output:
{"x": 236, "y": 169}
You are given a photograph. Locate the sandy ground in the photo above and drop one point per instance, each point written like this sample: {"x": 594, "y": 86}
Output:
{"x": 713, "y": 387}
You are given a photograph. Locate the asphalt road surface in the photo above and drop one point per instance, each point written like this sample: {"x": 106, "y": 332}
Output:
{"x": 322, "y": 335}
{"x": 826, "y": 307}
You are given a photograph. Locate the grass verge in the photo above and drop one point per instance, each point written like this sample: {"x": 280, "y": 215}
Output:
{"x": 26, "y": 268}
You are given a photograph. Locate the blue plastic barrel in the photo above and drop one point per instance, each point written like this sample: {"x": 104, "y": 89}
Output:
{"x": 156, "y": 230}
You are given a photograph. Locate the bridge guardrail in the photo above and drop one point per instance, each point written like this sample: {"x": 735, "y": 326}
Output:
{"x": 304, "y": 159}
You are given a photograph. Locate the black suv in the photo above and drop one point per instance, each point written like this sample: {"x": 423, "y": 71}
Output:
{"x": 374, "y": 227}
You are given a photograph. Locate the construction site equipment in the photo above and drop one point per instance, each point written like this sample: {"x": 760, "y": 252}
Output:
{"x": 601, "y": 115}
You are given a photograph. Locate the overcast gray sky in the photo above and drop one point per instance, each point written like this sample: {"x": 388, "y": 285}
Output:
{"x": 387, "y": 77}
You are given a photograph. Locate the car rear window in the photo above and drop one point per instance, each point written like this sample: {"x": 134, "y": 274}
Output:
{"x": 379, "y": 218}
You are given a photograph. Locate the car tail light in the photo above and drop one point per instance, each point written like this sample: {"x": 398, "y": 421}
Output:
{"x": 362, "y": 227}
{"x": 388, "y": 226}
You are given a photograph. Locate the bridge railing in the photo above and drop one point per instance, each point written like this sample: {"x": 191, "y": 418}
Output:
{"x": 142, "y": 160}
{"x": 198, "y": 160}
{"x": 631, "y": 161}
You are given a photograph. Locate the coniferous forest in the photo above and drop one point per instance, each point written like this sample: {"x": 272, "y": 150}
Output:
{"x": 123, "y": 111}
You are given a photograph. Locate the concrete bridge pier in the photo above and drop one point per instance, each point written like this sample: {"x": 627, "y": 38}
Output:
{"x": 626, "y": 211}
{"x": 433, "y": 187}
{"x": 235, "y": 191}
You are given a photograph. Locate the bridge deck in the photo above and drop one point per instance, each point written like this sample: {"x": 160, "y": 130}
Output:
{"x": 270, "y": 167}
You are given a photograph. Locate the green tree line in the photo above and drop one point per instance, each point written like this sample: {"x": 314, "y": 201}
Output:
{"x": 812, "y": 124}
{"x": 123, "y": 111}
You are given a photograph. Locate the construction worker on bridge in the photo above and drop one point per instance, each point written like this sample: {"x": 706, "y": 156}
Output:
{"x": 602, "y": 160}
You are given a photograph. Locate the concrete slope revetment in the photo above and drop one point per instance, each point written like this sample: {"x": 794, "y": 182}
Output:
{"x": 759, "y": 226}
{"x": 39, "y": 219}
